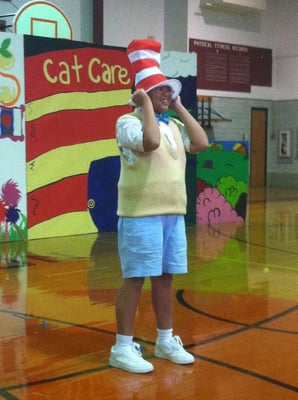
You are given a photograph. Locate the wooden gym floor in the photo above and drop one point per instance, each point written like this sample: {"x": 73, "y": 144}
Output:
{"x": 236, "y": 311}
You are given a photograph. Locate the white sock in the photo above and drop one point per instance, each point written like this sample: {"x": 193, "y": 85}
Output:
{"x": 123, "y": 340}
{"x": 164, "y": 334}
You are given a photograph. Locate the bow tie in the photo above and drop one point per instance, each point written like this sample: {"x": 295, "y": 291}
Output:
{"x": 162, "y": 118}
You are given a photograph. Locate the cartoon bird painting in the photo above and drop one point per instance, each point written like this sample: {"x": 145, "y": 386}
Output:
{"x": 9, "y": 213}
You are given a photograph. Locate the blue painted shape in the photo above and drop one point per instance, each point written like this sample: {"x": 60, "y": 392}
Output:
{"x": 103, "y": 177}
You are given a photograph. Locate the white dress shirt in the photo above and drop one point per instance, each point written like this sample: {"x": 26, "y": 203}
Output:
{"x": 130, "y": 137}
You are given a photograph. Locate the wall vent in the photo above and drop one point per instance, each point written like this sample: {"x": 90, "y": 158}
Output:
{"x": 239, "y": 6}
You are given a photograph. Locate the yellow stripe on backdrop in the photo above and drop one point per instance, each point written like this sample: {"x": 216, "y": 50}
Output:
{"x": 67, "y": 161}
{"x": 76, "y": 223}
{"x": 76, "y": 101}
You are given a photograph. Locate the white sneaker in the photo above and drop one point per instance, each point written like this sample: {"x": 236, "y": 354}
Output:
{"x": 173, "y": 350}
{"x": 130, "y": 359}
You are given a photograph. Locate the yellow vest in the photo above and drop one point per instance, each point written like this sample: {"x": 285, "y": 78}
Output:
{"x": 155, "y": 183}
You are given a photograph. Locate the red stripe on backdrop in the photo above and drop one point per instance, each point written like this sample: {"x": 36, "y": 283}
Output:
{"x": 74, "y": 70}
{"x": 41, "y": 206}
{"x": 71, "y": 127}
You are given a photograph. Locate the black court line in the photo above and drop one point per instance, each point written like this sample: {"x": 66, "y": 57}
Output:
{"x": 5, "y": 392}
{"x": 292, "y": 252}
{"x": 249, "y": 373}
{"x": 256, "y": 325}
{"x": 8, "y": 396}
{"x": 21, "y": 315}
{"x": 250, "y": 243}
{"x": 243, "y": 328}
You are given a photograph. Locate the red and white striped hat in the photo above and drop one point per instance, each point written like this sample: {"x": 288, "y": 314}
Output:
{"x": 144, "y": 55}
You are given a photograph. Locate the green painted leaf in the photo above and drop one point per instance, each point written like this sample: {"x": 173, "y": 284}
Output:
{"x": 4, "y": 46}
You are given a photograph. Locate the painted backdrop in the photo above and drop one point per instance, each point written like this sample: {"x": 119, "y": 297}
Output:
{"x": 67, "y": 96}
{"x": 222, "y": 183}
{"x": 74, "y": 94}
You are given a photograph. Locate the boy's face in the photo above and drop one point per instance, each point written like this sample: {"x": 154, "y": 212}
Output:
{"x": 161, "y": 98}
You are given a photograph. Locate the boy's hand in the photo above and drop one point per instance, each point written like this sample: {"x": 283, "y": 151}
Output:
{"x": 139, "y": 96}
{"x": 176, "y": 103}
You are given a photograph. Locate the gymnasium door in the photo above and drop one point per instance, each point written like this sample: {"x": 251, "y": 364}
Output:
{"x": 258, "y": 147}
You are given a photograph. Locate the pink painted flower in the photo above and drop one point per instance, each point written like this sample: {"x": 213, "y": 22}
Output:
{"x": 212, "y": 208}
{"x": 10, "y": 193}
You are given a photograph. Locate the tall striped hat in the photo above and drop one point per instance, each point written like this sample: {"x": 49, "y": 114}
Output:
{"x": 144, "y": 56}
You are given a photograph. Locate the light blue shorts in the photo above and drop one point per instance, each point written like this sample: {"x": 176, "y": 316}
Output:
{"x": 151, "y": 246}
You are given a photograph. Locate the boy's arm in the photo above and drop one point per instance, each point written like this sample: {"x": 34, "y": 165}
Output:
{"x": 151, "y": 133}
{"x": 197, "y": 135}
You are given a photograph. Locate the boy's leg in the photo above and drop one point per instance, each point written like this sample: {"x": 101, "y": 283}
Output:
{"x": 167, "y": 347}
{"x": 126, "y": 354}
{"x": 126, "y": 304}
{"x": 162, "y": 300}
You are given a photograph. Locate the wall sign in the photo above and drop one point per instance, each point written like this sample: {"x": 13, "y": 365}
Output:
{"x": 231, "y": 67}
{"x": 284, "y": 144}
